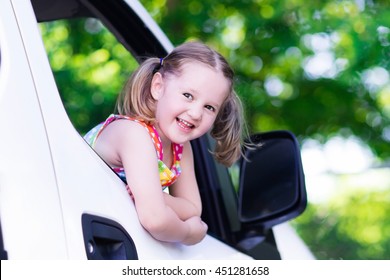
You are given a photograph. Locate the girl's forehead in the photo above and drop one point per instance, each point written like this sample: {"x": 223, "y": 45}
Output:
{"x": 199, "y": 69}
{"x": 202, "y": 79}
{"x": 191, "y": 64}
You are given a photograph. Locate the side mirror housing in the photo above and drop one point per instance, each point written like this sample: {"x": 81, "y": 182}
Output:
{"x": 272, "y": 185}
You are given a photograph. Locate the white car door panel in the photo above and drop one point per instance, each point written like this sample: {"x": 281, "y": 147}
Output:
{"x": 28, "y": 184}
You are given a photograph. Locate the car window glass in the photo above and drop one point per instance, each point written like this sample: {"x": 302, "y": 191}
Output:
{"x": 90, "y": 68}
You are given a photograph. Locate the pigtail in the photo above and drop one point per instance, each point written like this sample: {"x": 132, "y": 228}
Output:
{"x": 136, "y": 100}
{"x": 228, "y": 131}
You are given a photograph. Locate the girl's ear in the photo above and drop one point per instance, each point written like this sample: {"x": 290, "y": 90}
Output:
{"x": 156, "y": 87}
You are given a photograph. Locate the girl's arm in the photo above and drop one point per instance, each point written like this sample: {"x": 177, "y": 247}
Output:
{"x": 184, "y": 196}
{"x": 133, "y": 149}
{"x": 183, "y": 209}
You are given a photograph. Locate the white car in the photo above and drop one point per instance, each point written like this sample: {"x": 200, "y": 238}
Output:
{"x": 59, "y": 200}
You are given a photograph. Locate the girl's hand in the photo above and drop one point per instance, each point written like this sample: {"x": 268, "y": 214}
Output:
{"x": 198, "y": 230}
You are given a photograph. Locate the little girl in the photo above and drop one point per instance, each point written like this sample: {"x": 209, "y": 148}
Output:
{"x": 165, "y": 104}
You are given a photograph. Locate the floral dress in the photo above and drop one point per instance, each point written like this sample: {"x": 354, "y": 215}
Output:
{"x": 167, "y": 175}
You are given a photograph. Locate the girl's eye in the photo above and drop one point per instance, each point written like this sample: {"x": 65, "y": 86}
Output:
{"x": 188, "y": 95}
{"x": 209, "y": 107}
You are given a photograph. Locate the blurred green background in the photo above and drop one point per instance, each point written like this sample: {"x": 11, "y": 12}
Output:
{"x": 317, "y": 68}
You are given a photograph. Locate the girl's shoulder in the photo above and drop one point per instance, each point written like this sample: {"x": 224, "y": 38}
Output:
{"x": 124, "y": 130}
{"x": 117, "y": 126}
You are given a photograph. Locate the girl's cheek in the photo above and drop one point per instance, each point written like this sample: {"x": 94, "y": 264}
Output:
{"x": 210, "y": 124}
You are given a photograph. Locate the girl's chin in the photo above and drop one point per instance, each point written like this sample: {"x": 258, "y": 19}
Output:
{"x": 181, "y": 138}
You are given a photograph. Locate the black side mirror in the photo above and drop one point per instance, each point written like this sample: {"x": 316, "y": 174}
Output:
{"x": 272, "y": 185}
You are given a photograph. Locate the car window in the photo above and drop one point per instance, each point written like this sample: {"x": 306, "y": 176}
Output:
{"x": 90, "y": 68}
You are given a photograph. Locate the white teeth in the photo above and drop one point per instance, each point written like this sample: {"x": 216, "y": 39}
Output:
{"x": 187, "y": 124}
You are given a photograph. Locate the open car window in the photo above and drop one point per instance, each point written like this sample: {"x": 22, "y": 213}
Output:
{"x": 90, "y": 68}
{"x": 93, "y": 46}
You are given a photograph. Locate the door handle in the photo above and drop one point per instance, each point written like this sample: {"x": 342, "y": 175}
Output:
{"x": 105, "y": 239}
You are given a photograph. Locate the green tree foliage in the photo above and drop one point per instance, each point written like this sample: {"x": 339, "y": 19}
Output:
{"x": 352, "y": 226}
{"x": 317, "y": 68}
{"x": 90, "y": 68}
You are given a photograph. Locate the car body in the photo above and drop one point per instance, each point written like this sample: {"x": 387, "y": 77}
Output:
{"x": 59, "y": 200}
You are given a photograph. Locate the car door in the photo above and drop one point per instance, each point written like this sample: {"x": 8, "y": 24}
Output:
{"x": 30, "y": 207}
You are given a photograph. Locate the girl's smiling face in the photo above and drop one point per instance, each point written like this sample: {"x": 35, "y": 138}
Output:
{"x": 187, "y": 104}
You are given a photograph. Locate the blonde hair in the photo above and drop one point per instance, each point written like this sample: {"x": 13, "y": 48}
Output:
{"x": 136, "y": 99}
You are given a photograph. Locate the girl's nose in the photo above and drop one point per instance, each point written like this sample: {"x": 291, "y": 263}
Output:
{"x": 195, "y": 112}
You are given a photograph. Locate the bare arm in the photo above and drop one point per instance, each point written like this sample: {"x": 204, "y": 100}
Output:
{"x": 184, "y": 196}
{"x": 182, "y": 207}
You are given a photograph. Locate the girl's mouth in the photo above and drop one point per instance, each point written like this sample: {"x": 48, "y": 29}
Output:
{"x": 184, "y": 124}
